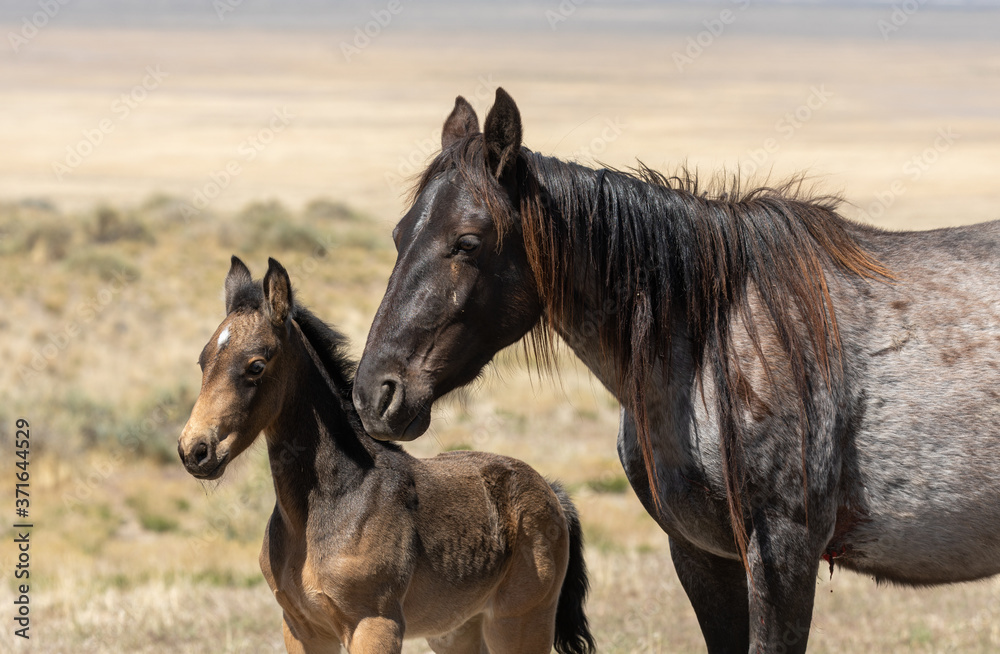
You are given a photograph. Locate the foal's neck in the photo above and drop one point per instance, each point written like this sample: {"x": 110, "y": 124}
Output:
{"x": 314, "y": 448}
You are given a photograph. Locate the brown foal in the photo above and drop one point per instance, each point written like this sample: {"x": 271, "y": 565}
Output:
{"x": 368, "y": 545}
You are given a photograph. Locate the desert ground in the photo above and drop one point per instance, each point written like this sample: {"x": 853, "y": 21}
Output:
{"x": 138, "y": 156}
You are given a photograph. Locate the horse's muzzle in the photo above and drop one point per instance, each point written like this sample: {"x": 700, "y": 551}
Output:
{"x": 200, "y": 455}
{"x": 385, "y": 412}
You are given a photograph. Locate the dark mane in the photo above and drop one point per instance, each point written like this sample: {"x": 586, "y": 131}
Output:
{"x": 658, "y": 250}
{"x": 331, "y": 348}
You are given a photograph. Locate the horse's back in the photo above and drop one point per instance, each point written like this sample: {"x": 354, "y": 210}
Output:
{"x": 481, "y": 493}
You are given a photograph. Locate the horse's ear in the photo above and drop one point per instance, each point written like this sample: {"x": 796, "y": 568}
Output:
{"x": 502, "y": 134}
{"x": 239, "y": 276}
{"x": 278, "y": 292}
{"x": 461, "y": 122}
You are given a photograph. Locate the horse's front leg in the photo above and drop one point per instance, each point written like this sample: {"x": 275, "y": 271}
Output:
{"x": 784, "y": 561}
{"x": 717, "y": 590}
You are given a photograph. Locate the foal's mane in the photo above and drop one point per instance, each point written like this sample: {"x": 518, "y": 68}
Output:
{"x": 658, "y": 250}
{"x": 330, "y": 347}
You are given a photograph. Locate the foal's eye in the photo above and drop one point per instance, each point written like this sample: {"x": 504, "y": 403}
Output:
{"x": 256, "y": 367}
{"x": 467, "y": 243}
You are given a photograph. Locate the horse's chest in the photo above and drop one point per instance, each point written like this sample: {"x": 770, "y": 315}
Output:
{"x": 309, "y": 608}
{"x": 691, "y": 503}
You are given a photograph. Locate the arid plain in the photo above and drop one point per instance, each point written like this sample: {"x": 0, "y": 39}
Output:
{"x": 136, "y": 160}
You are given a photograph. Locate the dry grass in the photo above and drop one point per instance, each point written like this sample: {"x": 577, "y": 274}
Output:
{"x": 109, "y": 292}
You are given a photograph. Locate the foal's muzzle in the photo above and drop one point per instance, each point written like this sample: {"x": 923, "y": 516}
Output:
{"x": 200, "y": 455}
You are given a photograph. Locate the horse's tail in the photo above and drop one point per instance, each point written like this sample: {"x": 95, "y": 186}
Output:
{"x": 572, "y": 630}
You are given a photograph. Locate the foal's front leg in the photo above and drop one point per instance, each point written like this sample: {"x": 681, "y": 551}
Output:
{"x": 313, "y": 646}
{"x": 377, "y": 635}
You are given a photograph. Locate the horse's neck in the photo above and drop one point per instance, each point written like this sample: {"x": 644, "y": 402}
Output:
{"x": 586, "y": 345}
{"x": 668, "y": 394}
{"x": 305, "y": 444}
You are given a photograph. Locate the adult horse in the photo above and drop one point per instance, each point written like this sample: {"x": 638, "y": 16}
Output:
{"x": 794, "y": 386}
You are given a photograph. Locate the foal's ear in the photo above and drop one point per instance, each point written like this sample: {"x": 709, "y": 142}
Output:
{"x": 239, "y": 276}
{"x": 278, "y": 292}
{"x": 461, "y": 122}
{"x": 502, "y": 134}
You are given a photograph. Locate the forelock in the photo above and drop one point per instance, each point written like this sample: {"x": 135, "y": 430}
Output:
{"x": 466, "y": 161}
{"x": 249, "y": 296}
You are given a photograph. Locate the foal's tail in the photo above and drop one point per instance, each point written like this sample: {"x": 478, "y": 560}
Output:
{"x": 572, "y": 630}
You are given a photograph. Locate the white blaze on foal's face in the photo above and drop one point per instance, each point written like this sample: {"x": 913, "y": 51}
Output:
{"x": 223, "y": 338}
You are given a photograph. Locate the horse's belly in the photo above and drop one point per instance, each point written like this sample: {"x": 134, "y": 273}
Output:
{"x": 434, "y": 606}
{"x": 921, "y": 549}
{"x": 924, "y": 482}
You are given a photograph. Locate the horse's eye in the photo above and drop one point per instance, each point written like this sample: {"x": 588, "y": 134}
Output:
{"x": 467, "y": 243}
{"x": 256, "y": 367}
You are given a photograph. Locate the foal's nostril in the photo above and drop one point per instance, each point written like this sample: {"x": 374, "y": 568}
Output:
{"x": 200, "y": 453}
{"x": 386, "y": 395}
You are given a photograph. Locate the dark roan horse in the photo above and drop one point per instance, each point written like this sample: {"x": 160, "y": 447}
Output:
{"x": 367, "y": 545}
{"x": 794, "y": 386}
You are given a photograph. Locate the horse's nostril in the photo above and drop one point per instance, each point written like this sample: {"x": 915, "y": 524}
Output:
{"x": 386, "y": 394}
{"x": 200, "y": 453}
